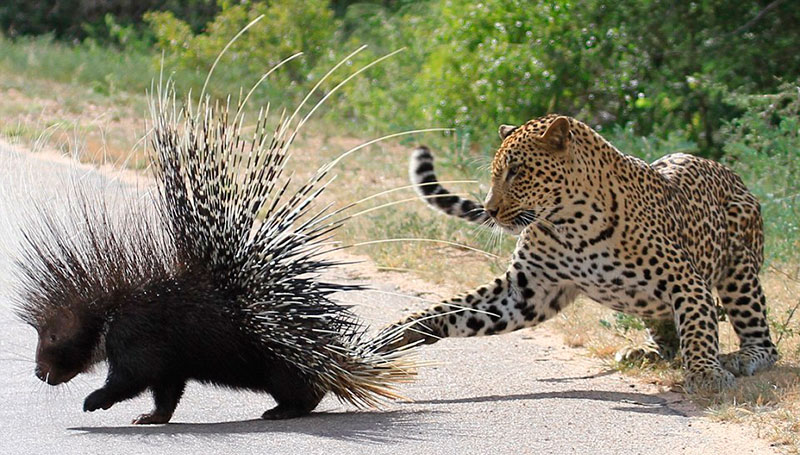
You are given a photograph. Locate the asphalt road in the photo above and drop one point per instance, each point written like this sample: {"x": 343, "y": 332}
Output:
{"x": 519, "y": 393}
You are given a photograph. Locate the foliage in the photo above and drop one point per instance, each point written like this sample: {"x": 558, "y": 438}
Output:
{"x": 78, "y": 19}
{"x": 379, "y": 100}
{"x": 685, "y": 56}
{"x": 654, "y": 76}
{"x": 650, "y": 147}
{"x": 287, "y": 28}
{"x": 507, "y": 61}
{"x": 105, "y": 70}
{"x": 654, "y": 66}
{"x": 763, "y": 146}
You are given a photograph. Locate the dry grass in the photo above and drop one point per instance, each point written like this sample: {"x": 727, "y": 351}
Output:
{"x": 67, "y": 117}
{"x": 106, "y": 129}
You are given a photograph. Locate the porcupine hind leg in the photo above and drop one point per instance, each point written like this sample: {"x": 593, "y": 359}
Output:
{"x": 296, "y": 404}
{"x": 166, "y": 396}
{"x": 293, "y": 392}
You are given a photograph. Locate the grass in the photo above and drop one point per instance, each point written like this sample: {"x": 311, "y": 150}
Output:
{"x": 60, "y": 97}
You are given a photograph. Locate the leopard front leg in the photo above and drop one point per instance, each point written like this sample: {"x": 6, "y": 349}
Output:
{"x": 661, "y": 343}
{"x": 520, "y": 298}
{"x": 696, "y": 320}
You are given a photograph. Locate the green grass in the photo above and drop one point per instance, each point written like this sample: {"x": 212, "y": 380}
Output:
{"x": 103, "y": 70}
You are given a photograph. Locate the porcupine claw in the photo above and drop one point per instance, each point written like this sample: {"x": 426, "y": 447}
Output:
{"x": 153, "y": 418}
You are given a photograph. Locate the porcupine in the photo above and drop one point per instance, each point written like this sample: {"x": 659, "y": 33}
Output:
{"x": 217, "y": 282}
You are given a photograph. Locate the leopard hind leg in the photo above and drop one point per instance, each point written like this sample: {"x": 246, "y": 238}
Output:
{"x": 743, "y": 299}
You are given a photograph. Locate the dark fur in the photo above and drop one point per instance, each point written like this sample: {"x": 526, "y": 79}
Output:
{"x": 185, "y": 333}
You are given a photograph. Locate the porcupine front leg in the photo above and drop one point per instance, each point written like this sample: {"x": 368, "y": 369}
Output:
{"x": 523, "y": 297}
{"x": 118, "y": 387}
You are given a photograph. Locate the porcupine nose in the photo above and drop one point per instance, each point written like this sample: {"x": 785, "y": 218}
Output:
{"x": 40, "y": 373}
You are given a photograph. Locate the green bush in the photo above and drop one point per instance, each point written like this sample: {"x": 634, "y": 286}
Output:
{"x": 655, "y": 66}
{"x": 763, "y": 146}
{"x": 506, "y": 61}
{"x": 79, "y": 19}
{"x": 287, "y": 27}
{"x": 378, "y": 101}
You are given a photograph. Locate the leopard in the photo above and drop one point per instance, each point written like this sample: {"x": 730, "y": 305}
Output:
{"x": 650, "y": 240}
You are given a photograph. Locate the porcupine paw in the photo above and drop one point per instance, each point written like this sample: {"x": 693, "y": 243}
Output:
{"x": 152, "y": 418}
{"x": 283, "y": 411}
{"x": 97, "y": 400}
{"x": 710, "y": 379}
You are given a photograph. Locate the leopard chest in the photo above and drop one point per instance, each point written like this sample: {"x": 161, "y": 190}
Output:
{"x": 617, "y": 279}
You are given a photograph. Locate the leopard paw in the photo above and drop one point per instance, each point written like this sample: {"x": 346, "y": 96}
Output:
{"x": 710, "y": 379}
{"x": 638, "y": 354}
{"x": 748, "y": 360}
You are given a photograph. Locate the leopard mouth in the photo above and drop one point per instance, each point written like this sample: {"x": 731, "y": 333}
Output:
{"x": 528, "y": 218}
{"x": 514, "y": 227}
{"x": 520, "y": 221}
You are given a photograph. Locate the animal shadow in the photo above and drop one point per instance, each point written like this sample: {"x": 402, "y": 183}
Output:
{"x": 377, "y": 427}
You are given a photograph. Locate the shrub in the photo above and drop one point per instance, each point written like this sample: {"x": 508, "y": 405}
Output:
{"x": 287, "y": 27}
{"x": 79, "y": 19}
{"x": 763, "y": 146}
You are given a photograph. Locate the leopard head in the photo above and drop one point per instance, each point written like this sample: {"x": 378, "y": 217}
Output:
{"x": 529, "y": 172}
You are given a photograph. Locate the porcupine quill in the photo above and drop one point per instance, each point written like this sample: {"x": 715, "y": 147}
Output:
{"x": 217, "y": 280}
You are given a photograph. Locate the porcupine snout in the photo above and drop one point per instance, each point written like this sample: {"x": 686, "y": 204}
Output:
{"x": 53, "y": 376}
{"x": 40, "y": 372}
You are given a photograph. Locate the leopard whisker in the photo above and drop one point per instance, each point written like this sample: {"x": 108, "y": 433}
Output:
{"x": 420, "y": 239}
{"x": 401, "y": 201}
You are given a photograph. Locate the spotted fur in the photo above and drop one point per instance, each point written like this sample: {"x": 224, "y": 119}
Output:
{"x": 651, "y": 240}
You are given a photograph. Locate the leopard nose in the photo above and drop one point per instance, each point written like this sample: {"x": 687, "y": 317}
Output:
{"x": 492, "y": 212}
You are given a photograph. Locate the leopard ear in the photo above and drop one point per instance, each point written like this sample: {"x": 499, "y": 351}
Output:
{"x": 505, "y": 130}
{"x": 557, "y": 134}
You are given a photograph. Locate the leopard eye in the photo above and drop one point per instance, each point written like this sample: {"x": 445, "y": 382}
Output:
{"x": 513, "y": 169}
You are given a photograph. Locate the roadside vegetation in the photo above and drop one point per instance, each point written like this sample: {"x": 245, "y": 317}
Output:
{"x": 714, "y": 78}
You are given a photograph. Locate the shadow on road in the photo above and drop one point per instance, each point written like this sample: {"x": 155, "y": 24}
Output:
{"x": 373, "y": 427}
{"x": 637, "y": 402}
{"x": 600, "y": 374}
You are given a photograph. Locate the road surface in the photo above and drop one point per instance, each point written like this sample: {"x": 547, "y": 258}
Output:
{"x": 518, "y": 393}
